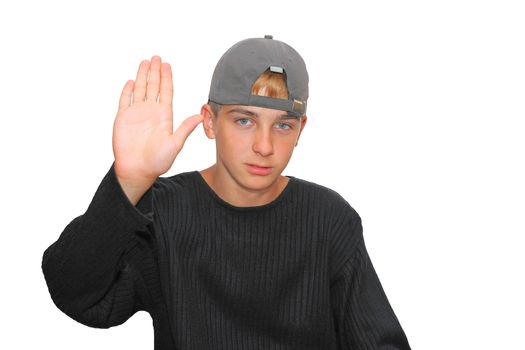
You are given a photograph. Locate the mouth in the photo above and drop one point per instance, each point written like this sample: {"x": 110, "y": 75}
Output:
{"x": 259, "y": 170}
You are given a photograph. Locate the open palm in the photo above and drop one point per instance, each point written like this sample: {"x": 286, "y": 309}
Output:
{"x": 144, "y": 144}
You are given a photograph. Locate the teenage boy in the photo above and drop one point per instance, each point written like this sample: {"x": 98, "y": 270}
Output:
{"x": 236, "y": 256}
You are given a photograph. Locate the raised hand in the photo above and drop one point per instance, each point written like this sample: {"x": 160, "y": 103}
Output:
{"x": 144, "y": 144}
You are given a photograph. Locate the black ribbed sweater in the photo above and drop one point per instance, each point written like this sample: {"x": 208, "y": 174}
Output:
{"x": 292, "y": 274}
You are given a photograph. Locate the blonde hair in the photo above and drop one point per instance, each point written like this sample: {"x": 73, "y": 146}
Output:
{"x": 270, "y": 84}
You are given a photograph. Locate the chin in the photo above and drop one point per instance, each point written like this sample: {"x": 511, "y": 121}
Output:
{"x": 259, "y": 183}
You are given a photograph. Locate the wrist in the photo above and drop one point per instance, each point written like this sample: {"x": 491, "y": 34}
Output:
{"x": 134, "y": 189}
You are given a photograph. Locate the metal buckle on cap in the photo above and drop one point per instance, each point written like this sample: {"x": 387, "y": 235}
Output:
{"x": 298, "y": 106}
{"x": 277, "y": 69}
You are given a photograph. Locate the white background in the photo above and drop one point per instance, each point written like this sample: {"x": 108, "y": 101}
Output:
{"x": 416, "y": 117}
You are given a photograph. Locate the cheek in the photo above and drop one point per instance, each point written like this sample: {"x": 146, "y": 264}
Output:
{"x": 284, "y": 148}
{"x": 233, "y": 142}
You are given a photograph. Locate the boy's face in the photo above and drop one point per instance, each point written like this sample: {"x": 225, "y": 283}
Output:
{"x": 254, "y": 145}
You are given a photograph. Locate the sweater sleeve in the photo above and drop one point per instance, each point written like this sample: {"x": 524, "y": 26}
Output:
{"x": 362, "y": 313}
{"x": 92, "y": 269}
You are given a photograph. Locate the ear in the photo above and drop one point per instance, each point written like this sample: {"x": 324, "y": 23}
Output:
{"x": 208, "y": 121}
{"x": 303, "y": 123}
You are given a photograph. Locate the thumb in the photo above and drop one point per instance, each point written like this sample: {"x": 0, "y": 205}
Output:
{"x": 184, "y": 130}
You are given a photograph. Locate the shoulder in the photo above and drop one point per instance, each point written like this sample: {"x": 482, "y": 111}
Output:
{"x": 178, "y": 181}
{"x": 324, "y": 197}
{"x": 183, "y": 186}
{"x": 339, "y": 220}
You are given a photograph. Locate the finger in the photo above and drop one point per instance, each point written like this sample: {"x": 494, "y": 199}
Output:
{"x": 185, "y": 129}
{"x": 152, "y": 89}
{"x": 166, "y": 84}
{"x": 140, "y": 82}
{"x": 125, "y": 96}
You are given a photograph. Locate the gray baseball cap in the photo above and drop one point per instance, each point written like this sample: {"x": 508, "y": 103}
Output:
{"x": 240, "y": 66}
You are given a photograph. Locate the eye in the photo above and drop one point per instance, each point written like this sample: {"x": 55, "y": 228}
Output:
{"x": 284, "y": 126}
{"x": 243, "y": 121}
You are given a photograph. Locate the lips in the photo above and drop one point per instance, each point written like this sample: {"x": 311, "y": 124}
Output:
{"x": 259, "y": 170}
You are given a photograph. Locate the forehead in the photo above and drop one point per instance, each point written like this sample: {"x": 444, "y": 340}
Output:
{"x": 256, "y": 112}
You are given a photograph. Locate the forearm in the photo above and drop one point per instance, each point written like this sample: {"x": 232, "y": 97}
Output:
{"x": 362, "y": 311}
{"x": 134, "y": 189}
{"x": 84, "y": 264}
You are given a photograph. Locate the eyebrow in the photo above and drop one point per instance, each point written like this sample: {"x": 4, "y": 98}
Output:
{"x": 255, "y": 115}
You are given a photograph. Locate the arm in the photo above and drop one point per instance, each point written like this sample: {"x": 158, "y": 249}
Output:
{"x": 363, "y": 316}
{"x": 92, "y": 270}
{"x": 95, "y": 270}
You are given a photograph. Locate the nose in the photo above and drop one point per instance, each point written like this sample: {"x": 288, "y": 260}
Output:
{"x": 263, "y": 143}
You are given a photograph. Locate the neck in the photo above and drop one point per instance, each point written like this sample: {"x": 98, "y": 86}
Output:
{"x": 234, "y": 193}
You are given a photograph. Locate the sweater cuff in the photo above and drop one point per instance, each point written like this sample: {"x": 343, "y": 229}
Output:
{"x": 110, "y": 197}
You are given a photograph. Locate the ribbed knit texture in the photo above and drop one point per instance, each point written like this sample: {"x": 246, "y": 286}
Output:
{"x": 292, "y": 274}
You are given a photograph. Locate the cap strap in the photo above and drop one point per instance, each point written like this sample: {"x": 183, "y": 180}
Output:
{"x": 294, "y": 107}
